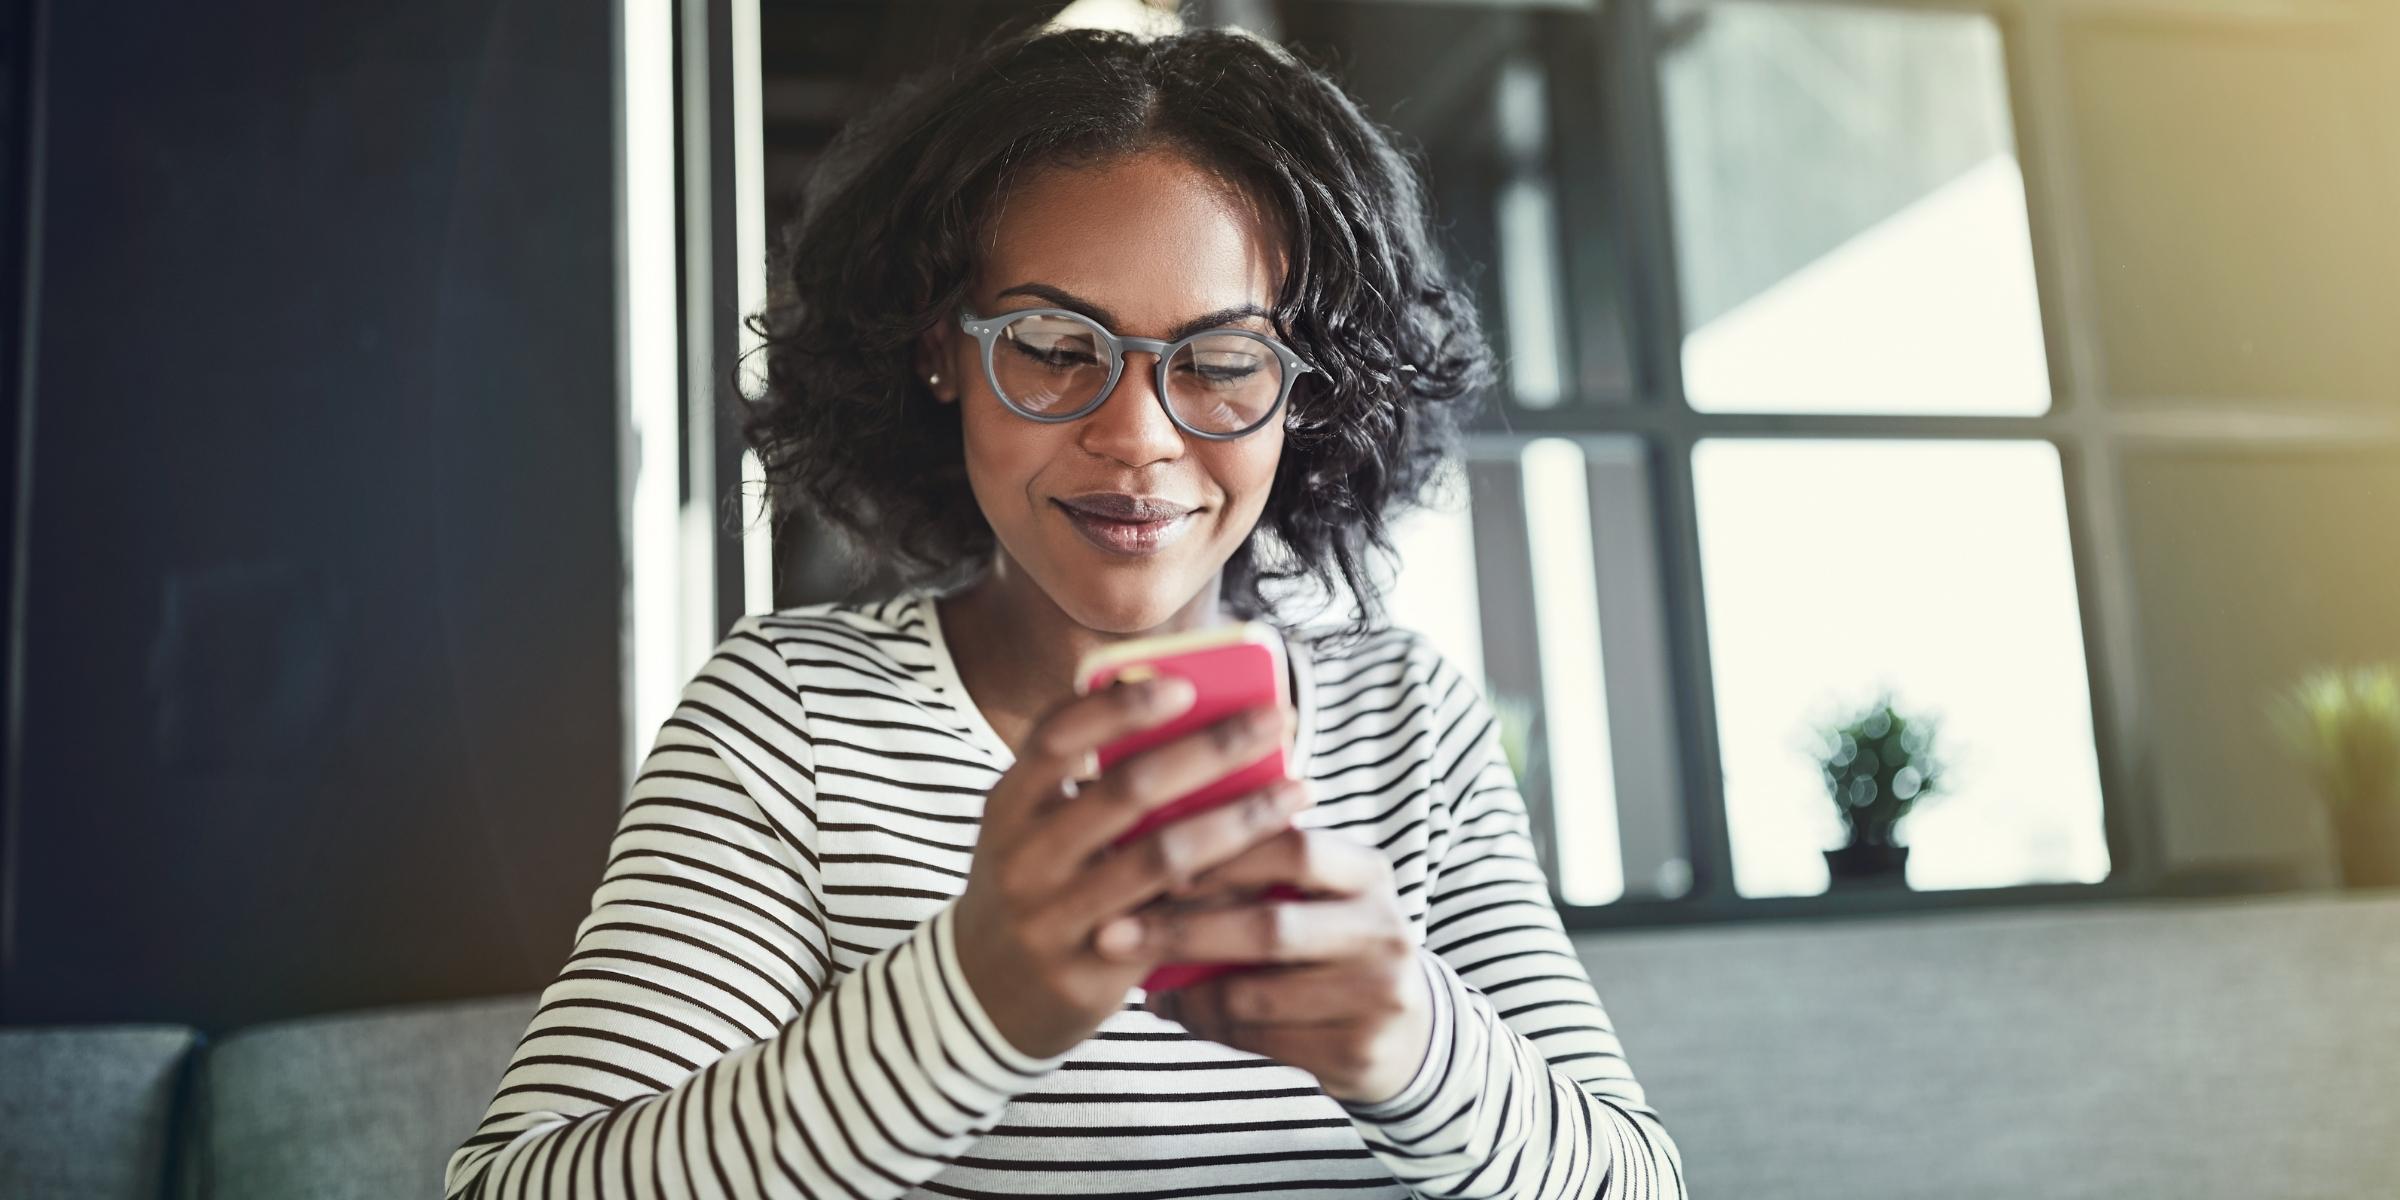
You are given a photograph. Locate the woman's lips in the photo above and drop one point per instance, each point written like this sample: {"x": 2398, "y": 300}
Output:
{"x": 1130, "y": 539}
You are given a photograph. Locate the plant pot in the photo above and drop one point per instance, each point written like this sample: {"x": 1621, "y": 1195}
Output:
{"x": 2367, "y": 836}
{"x": 1857, "y": 865}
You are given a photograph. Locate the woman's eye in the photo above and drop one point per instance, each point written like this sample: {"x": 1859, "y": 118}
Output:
{"x": 1055, "y": 350}
{"x": 1233, "y": 369}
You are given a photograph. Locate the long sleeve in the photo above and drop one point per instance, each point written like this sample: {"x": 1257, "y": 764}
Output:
{"x": 1525, "y": 1091}
{"x": 698, "y": 1041}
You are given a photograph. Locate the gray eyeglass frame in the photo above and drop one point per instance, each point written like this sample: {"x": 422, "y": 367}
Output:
{"x": 986, "y": 331}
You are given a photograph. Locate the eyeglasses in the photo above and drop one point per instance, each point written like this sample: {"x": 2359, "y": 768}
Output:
{"x": 1054, "y": 365}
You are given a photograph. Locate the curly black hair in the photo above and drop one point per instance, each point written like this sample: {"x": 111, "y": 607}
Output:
{"x": 884, "y": 245}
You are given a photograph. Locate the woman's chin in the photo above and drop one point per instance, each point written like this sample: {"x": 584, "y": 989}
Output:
{"x": 1121, "y": 597}
{"x": 1125, "y": 611}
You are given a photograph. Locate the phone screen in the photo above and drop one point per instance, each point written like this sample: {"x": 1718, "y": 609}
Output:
{"x": 1233, "y": 668}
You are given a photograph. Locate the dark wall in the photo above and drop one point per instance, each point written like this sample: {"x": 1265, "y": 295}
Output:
{"x": 321, "y": 691}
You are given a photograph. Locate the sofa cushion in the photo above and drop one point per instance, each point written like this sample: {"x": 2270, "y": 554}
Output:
{"x": 362, "y": 1105}
{"x": 88, "y": 1112}
{"x": 2180, "y": 1048}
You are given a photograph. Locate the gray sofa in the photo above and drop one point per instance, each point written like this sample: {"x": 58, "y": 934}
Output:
{"x": 2246, "y": 1048}
{"x": 2187, "y": 1049}
{"x": 353, "y": 1106}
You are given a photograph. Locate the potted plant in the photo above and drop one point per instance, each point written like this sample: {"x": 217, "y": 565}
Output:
{"x": 1524, "y": 742}
{"x": 2344, "y": 726}
{"x": 1879, "y": 764}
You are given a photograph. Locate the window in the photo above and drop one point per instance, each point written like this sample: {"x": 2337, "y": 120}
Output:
{"x": 1850, "y": 228}
{"x": 1939, "y": 571}
{"x": 1851, "y": 237}
{"x": 1777, "y": 430}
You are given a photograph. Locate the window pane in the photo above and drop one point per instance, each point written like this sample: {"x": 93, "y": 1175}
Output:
{"x": 1434, "y": 592}
{"x": 1849, "y": 216}
{"x": 1938, "y": 570}
{"x": 1500, "y": 102}
{"x": 2253, "y": 567}
{"x": 1545, "y": 680}
{"x": 1532, "y": 558}
{"x": 2278, "y": 279}
{"x": 1574, "y": 700}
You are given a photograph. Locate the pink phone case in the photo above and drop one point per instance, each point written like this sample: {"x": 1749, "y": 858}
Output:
{"x": 1237, "y": 669}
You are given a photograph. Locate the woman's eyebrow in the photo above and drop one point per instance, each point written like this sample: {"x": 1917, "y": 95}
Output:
{"x": 1066, "y": 299}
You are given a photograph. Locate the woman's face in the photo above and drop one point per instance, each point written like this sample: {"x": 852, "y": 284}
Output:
{"x": 1144, "y": 245}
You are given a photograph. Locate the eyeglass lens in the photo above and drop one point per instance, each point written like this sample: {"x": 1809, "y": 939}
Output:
{"x": 1047, "y": 364}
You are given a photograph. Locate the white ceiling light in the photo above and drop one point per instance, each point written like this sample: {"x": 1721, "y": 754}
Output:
{"x": 1138, "y": 17}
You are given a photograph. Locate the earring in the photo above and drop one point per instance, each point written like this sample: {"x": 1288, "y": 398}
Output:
{"x": 933, "y": 381}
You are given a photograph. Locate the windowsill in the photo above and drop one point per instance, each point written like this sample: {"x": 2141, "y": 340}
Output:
{"x": 1899, "y": 901}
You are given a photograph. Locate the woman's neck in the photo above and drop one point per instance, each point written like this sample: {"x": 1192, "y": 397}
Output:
{"x": 1016, "y": 649}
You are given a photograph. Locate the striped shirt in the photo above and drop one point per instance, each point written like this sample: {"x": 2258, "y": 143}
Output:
{"x": 766, "y": 999}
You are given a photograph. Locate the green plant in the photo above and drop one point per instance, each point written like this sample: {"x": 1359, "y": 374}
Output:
{"x": 1519, "y": 719}
{"x": 1879, "y": 764}
{"x": 2344, "y": 726}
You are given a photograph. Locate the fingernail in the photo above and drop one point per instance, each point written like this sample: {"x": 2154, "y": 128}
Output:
{"x": 1121, "y": 936}
{"x": 1172, "y": 694}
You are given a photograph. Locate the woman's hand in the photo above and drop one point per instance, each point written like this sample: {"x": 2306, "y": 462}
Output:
{"x": 1045, "y": 875}
{"x": 1347, "y": 1001}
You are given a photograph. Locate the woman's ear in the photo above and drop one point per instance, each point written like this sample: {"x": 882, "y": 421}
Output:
{"x": 933, "y": 367}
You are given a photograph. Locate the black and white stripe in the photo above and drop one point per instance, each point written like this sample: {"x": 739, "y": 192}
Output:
{"x": 766, "y": 997}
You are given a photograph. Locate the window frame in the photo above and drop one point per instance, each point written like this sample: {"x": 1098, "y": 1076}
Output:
{"x": 1626, "y": 183}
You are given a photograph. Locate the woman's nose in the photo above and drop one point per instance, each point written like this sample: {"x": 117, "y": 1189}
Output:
{"x": 1131, "y": 425}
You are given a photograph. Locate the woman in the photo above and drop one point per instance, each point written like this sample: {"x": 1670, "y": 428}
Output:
{"x": 862, "y": 933}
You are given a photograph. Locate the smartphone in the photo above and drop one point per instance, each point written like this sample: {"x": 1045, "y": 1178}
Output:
{"x": 1233, "y": 667}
